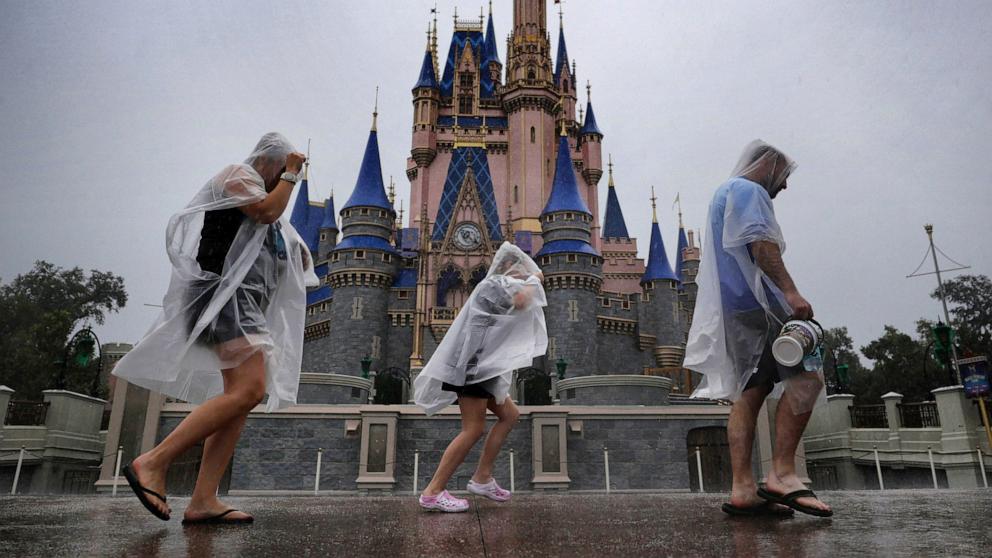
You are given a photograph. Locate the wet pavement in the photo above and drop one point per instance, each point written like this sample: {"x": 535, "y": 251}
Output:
{"x": 894, "y": 523}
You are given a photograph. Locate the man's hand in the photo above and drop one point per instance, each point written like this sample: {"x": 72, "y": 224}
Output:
{"x": 294, "y": 162}
{"x": 801, "y": 308}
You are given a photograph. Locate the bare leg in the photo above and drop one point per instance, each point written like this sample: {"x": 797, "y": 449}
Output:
{"x": 789, "y": 429}
{"x": 473, "y": 425}
{"x": 740, "y": 435}
{"x": 217, "y": 451}
{"x": 507, "y": 413}
{"x": 244, "y": 387}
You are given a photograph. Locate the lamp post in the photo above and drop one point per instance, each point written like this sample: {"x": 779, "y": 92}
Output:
{"x": 366, "y": 366}
{"x": 82, "y": 348}
{"x": 943, "y": 341}
{"x": 561, "y": 365}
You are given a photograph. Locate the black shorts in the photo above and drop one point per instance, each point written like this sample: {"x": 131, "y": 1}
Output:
{"x": 481, "y": 390}
{"x": 770, "y": 372}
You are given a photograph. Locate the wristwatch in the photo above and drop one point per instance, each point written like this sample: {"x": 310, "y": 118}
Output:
{"x": 289, "y": 177}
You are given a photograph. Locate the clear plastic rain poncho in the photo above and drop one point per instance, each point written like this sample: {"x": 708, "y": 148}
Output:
{"x": 737, "y": 306}
{"x": 499, "y": 329}
{"x": 257, "y": 302}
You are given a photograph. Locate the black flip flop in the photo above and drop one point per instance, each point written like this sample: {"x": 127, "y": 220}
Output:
{"x": 764, "y": 509}
{"x": 220, "y": 519}
{"x": 790, "y": 500}
{"x": 142, "y": 493}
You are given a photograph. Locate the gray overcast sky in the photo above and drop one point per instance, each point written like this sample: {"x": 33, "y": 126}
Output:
{"x": 113, "y": 114}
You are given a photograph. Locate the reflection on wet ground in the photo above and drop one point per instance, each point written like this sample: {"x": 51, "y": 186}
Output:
{"x": 893, "y": 523}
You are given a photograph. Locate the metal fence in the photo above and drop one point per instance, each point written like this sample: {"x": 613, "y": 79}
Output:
{"x": 919, "y": 415}
{"x": 868, "y": 416}
{"x": 26, "y": 413}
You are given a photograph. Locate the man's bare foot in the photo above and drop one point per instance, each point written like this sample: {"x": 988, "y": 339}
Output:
{"x": 196, "y": 511}
{"x": 746, "y": 496}
{"x": 151, "y": 477}
{"x": 782, "y": 485}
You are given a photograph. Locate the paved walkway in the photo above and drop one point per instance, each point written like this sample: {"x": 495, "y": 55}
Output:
{"x": 893, "y": 523}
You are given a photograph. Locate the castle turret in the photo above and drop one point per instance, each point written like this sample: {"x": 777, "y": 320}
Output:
{"x": 328, "y": 231}
{"x": 591, "y": 141}
{"x": 490, "y": 59}
{"x": 572, "y": 270}
{"x": 362, "y": 268}
{"x": 690, "y": 268}
{"x": 622, "y": 269}
{"x": 660, "y": 314}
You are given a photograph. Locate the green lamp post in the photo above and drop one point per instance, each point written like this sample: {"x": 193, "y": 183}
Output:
{"x": 943, "y": 338}
{"x": 561, "y": 365}
{"x": 366, "y": 366}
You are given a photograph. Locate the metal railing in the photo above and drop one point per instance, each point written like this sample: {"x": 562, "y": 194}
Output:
{"x": 868, "y": 416}
{"x": 26, "y": 413}
{"x": 919, "y": 415}
{"x": 441, "y": 314}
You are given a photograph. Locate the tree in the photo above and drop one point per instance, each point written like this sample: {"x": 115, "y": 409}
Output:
{"x": 39, "y": 311}
{"x": 838, "y": 345}
{"x": 970, "y": 297}
{"x": 898, "y": 366}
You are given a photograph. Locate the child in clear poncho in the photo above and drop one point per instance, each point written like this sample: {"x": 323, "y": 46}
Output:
{"x": 231, "y": 328}
{"x": 500, "y": 328}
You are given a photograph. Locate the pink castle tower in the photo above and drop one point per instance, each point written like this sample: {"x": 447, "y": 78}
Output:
{"x": 484, "y": 148}
{"x": 622, "y": 269}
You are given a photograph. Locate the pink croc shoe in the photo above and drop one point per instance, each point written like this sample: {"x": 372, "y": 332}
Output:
{"x": 443, "y": 502}
{"x": 490, "y": 490}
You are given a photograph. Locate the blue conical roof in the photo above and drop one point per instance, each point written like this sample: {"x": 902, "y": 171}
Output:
{"x": 614, "y": 225}
{"x": 589, "y": 125}
{"x": 683, "y": 244}
{"x": 562, "y": 59}
{"x": 489, "y": 49}
{"x": 564, "y": 190}
{"x": 330, "y": 216}
{"x": 427, "y": 77}
{"x": 658, "y": 266}
{"x": 369, "y": 189}
{"x": 300, "y": 217}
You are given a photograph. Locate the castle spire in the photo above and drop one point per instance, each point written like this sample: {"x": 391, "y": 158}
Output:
{"x": 614, "y": 225}
{"x": 490, "y": 52}
{"x": 658, "y": 267}
{"x": 330, "y": 221}
{"x": 564, "y": 189}
{"x": 589, "y": 124}
{"x": 561, "y": 61}
{"x": 683, "y": 242}
{"x": 369, "y": 189}
{"x": 428, "y": 78}
{"x": 375, "y": 111}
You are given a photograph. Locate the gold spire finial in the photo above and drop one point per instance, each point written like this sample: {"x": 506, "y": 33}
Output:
{"x": 482, "y": 16}
{"x": 428, "y": 35}
{"x": 490, "y": 8}
{"x": 678, "y": 202}
{"x": 400, "y": 221}
{"x": 610, "y": 166}
{"x": 654, "y": 206}
{"x": 588, "y": 92}
{"x": 392, "y": 191}
{"x": 375, "y": 111}
{"x": 561, "y": 18}
{"x": 581, "y": 117}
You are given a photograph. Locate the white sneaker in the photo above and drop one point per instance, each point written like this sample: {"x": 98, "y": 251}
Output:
{"x": 490, "y": 490}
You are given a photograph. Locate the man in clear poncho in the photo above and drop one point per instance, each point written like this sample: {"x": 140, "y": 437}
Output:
{"x": 745, "y": 295}
{"x": 499, "y": 329}
{"x": 231, "y": 328}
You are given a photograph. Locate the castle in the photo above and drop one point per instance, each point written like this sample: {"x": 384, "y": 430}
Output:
{"x": 498, "y": 154}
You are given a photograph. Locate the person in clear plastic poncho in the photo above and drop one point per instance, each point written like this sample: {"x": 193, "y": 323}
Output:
{"x": 231, "y": 327}
{"x": 745, "y": 295}
{"x": 499, "y": 329}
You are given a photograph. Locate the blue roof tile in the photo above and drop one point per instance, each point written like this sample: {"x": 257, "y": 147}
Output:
{"x": 567, "y": 246}
{"x": 464, "y": 160}
{"x": 368, "y": 242}
{"x": 369, "y": 188}
{"x": 427, "y": 77}
{"x": 614, "y": 225}
{"x": 658, "y": 266}
{"x": 589, "y": 124}
{"x": 406, "y": 279}
{"x": 564, "y": 190}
